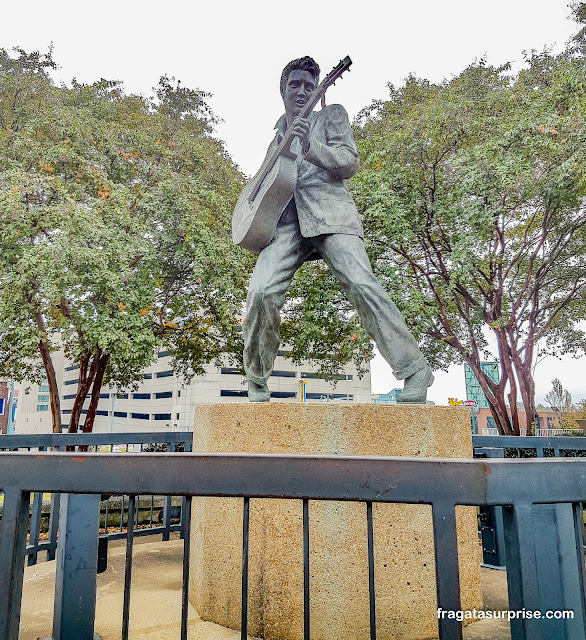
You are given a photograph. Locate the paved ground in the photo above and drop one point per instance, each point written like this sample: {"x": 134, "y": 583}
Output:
{"x": 155, "y": 607}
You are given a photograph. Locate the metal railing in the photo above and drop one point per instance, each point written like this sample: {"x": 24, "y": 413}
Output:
{"x": 519, "y": 486}
{"x": 47, "y": 509}
{"x": 557, "y": 446}
{"x": 491, "y": 527}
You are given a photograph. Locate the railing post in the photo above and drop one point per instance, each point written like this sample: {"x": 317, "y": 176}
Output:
{"x": 491, "y": 523}
{"x": 522, "y": 577}
{"x": 35, "y": 526}
{"x": 77, "y": 563}
{"x": 53, "y": 525}
{"x": 12, "y": 546}
{"x": 560, "y": 567}
{"x": 447, "y": 571}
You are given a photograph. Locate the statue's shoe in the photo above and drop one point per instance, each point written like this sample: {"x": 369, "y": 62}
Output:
{"x": 258, "y": 392}
{"x": 415, "y": 387}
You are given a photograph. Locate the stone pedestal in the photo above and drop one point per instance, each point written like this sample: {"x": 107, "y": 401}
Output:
{"x": 403, "y": 541}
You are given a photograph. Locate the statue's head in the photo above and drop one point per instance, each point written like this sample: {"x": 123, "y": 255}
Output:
{"x": 301, "y": 64}
{"x": 298, "y": 81}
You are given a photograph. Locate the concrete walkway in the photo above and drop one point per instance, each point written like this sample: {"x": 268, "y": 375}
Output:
{"x": 155, "y": 610}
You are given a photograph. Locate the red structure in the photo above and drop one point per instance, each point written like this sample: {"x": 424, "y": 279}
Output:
{"x": 4, "y": 408}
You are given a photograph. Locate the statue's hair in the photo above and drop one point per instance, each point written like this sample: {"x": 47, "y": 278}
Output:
{"x": 304, "y": 64}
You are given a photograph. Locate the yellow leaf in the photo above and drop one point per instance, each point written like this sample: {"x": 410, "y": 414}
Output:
{"x": 120, "y": 306}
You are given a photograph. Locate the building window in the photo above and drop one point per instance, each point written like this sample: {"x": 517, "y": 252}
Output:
{"x": 70, "y": 396}
{"x": 147, "y": 376}
{"x": 122, "y": 396}
{"x": 550, "y": 423}
{"x": 42, "y": 407}
{"x": 283, "y": 394}
{"x": 1, "y": 406}
{"x": 101, "y": 413}
{"x": 66, "y": 411}
{"x": 230, "y": 393}
{"x": 330, "y": 396}
{"x": 141, "y": 396}
{"x": 73, "y": 367}
{"x": 104, "y": 395}
{"x": 42, "y": 397}
{"x": 179, "y": 393}
{"x": 68, "y": 382}
{"x": 490, "y": 422}
{"x": 231, "y": 371}
{"x": 163, "y": 354}
{"x": 282, "y": 353}
{"x": 120, "y": 414}
{"x": 164, "y": 374}
{"x": 44, "y": 387}
{"x": 140, "y": 416}
{"x": 162, "y": 416}
{"x": 321, "y": 376}
{"x": 163, "y": 394}
{"x": 84, "y": 411}
{"x": 177, "y": 418}
{"x": 283, "y": 374}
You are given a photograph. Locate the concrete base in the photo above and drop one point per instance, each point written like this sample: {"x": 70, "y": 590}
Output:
{"x": 404, "y": 558}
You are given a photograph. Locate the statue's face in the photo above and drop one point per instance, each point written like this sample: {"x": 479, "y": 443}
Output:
{"x": 300, "y": 85}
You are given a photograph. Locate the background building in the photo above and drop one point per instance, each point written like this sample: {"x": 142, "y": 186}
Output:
{"x": 386, "y": 398}
{"x": 164, "y": 402}
{"x": 481, "y": 418}
{"x": 33, "y": 411}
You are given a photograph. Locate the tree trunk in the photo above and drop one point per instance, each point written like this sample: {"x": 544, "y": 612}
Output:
{"x": 495, "y": 396}
{"x": 527, "y": 388}
{"x": 97, "y": 385}
{"x": 507, "y": 368}
{"x": 85, "y": 380}
{"x": 51, "y": 377}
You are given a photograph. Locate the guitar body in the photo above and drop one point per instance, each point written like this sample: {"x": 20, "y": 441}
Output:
{"x": 255, "y": 219}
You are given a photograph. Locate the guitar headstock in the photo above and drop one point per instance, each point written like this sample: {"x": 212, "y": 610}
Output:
{"x": 336, "y": 72}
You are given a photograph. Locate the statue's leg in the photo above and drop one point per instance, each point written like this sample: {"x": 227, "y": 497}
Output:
{"x": 272, "y": 275}
{"x": 347, "y": 258}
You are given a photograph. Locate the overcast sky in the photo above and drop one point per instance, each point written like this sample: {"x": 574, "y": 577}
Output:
{"x": 237, "y": 49}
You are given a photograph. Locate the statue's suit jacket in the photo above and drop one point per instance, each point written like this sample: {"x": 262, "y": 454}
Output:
{"x": 323, "y": 202}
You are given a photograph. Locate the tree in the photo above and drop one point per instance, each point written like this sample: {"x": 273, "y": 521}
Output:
{"x": 560, "y": 400}
{"x": 472, "y": 193}
{"x": 115, "y": 210}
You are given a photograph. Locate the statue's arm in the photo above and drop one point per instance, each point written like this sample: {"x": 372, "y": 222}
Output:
{"x": 338, "y": 155}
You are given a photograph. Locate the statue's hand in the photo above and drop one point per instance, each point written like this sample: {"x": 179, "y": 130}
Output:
{"x": 301, "y": 129}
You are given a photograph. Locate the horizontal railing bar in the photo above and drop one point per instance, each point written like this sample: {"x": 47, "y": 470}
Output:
{"x": 147, "y": 531}
{"x": 530, "y": 442}
{"x": 377, "y": 479}
{"x": 14, "y": 441}
{"x": 34, "y": 548}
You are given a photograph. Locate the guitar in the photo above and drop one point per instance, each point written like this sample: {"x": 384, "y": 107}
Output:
{"x": 266, "y": 195}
